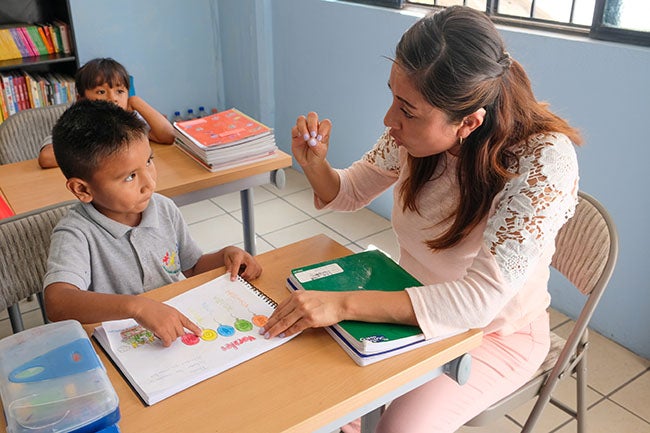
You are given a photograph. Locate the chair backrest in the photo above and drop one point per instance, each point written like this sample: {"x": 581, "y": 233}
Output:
{"x": 586, "y": 254}
{"x": 21, "y": 134}
{"x": 24, "y": 247}
{"x": 586, "y": 250}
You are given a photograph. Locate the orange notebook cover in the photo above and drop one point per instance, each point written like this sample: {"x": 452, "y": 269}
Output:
{"x": 226, "y": 127}
{"x": 5, "y": 210}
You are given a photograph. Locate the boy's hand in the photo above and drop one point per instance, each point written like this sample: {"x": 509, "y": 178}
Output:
{"x": 236, "y": 260}
{"x": 166, "y": 322}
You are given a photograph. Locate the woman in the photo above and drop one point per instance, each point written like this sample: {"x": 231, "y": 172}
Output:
{"x": 484, "y": 176}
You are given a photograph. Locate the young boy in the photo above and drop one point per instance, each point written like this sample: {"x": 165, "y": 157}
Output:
{"x": 107, "y": 80}
{"x": 122, "y": 239}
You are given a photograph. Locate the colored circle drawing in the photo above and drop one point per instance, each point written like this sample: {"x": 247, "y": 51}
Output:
{"x": 189, "y": 339}
{"x": 260, "y": 320}
{"x": 225, "y": 330}
{"x": 208, "y": 335}
{"x": 243, "y": 325}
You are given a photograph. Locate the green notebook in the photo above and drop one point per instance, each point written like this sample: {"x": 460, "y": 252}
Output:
{"x": 368, "y": 270}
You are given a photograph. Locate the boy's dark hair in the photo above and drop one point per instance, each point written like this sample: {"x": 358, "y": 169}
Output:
{"x": 89, "y": 131}
{"x": 99, "y": 71}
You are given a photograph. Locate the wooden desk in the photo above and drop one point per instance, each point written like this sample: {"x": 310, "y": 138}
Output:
{"x": 306, "y": 385}
{"x": 27, "y": 187}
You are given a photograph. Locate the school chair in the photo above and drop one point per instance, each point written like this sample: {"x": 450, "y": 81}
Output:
{"x": 24, "y": 247}
{"x": 21, "y": 134}
{"x": 586, "y": 254}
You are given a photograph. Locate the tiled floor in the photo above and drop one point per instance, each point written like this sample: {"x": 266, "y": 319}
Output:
{"x": 619, "y": 381}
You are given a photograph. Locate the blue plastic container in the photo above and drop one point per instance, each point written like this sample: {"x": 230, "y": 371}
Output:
{"x": 52, "y": 381}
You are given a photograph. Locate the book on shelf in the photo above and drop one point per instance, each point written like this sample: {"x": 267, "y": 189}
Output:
{"x": 8, "y": 48}
{"x": 230, "y": 314}
{"x": 19, "y": 40}
{"x": 63, "y": 29}
{"x": 365, "y": 342}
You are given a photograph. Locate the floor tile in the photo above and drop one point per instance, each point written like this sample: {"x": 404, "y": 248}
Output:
{"x": 215, "y": 233}
{"x": 5, "y": 328}
{"x": 608, "y": 417}
{"x": 302, "y": 230}
{"x": 200, "y": 211}
{"x": 609, "y": 364}
{"x": 385, "y": 241}
{"x": 557, "y": 318}
{"x": 295, "y": 181}
{"x": 355, "y": 225}
{"x": 354, "y": 247}
{"x": 274, "y": 215}
{"x": 551, "y": 418}
{"x": 232, "y": 202}
{"x": 635, "y": 396}
{"x": 261, "y": 245}
{"x": 501, "y": 425}
{"x": 304, "y": 200}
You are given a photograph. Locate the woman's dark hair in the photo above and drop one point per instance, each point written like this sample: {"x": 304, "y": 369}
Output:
{"x": 99, "y": 71}
{"x": 89, "y": 131}
{"x": 457, "y": 60}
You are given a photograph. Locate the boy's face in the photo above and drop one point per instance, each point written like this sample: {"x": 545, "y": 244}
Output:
{"x": 123, "y": 184}
{"x": 118, "y": 95}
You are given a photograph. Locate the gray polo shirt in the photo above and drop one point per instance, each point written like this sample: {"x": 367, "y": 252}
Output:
{"x": 93, "y": 252}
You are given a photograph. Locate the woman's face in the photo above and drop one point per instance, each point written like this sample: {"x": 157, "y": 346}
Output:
{"x": 421, "y": 128}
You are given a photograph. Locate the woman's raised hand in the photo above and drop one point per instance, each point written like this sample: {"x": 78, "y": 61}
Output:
{"x": 310, "y": 139}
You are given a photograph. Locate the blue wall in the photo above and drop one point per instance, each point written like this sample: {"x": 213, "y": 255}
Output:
{"x": 169, "y": 46}
{"x": 279, "y": 59}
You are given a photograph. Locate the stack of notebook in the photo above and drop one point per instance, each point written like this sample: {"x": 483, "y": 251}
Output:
{"x": 365, "y": 342}
{"x": 225, "y": 140}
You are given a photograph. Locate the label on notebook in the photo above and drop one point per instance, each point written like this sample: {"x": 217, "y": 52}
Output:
{"x": 318, "y": 273}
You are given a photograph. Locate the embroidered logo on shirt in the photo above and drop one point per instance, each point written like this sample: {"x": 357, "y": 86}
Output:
{"x": 171, "y": 263}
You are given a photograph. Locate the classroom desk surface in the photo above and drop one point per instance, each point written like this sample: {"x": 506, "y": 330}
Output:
{"x": 306, "y": 385}
{"x": 26, "y": 186}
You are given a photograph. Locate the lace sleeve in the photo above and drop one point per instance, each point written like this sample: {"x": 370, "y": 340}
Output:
{"x": 533, "y": 206}
{"x": 385, "y": 153}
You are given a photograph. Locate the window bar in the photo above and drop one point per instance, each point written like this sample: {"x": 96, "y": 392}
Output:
{"x": 492, "y": 7}
{"x": 573, "y": 8}
{"x": 532, "y": 9}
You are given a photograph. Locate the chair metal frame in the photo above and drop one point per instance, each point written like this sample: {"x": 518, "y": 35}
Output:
{"x": 22, "y": 134}
{"x": 24, "y": 247}
{"x": 586, "y": 254}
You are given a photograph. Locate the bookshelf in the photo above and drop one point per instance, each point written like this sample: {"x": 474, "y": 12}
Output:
{"x": 38, "y": 12}
{"x": 50, "y": 69}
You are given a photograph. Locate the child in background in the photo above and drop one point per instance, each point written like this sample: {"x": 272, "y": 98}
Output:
{"x": 122, "y": 239}
{"x": 106, "y": 79}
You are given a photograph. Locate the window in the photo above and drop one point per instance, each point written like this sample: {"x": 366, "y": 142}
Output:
{"x": 622, "y": 20}
{"x": 625, "y": 21}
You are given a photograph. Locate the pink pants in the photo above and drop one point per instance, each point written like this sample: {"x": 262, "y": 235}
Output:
{"x": 500, "y": 365}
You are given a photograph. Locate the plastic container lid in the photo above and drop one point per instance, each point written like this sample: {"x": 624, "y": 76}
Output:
{"x": 51, "y": 380}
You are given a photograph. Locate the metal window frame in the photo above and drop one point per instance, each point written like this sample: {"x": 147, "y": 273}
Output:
{"x": 598, "y": 29}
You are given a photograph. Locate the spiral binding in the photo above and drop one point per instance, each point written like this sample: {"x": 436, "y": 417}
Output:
{"x": 258, "y": 292}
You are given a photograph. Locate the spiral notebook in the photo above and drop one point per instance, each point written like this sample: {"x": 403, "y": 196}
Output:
{"x": 230, "y": 313}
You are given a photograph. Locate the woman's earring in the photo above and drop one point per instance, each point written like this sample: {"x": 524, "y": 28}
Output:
{"x": 460, "y": 141}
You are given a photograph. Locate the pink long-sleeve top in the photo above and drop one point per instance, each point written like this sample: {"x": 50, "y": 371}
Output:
{"x": 495, "y": 278}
